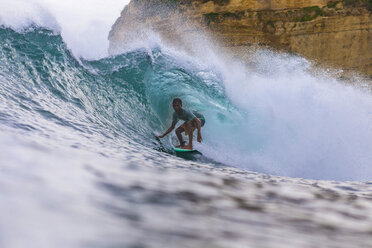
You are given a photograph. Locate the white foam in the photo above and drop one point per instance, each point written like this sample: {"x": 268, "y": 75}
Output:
{"x": 297, "y": 124}
{"x": 18, "y": 14}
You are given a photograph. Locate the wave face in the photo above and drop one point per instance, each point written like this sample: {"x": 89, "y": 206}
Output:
{"x": 276, "y": 118}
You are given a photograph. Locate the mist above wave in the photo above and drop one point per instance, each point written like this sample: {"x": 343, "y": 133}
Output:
{"x": 84, "y": 25}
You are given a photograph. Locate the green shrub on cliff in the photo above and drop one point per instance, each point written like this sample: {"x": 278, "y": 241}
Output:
{"x": 232, "y": 15}
{"x": 355, "y": 3}
{"x": 216, "y": 17}
{"x": 332, "y": 4}
{"x": 270, "y": 23}
{"x": 211, "y": 17}
{"x": 310, "y": 13}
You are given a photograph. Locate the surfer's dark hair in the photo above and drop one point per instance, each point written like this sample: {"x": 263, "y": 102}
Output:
{"x": 177, "y": 100}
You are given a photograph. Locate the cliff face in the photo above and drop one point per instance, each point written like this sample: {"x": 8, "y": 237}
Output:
{"x": 336, "y": 33}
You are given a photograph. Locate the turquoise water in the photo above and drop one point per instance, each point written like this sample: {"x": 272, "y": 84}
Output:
{"x": 80, "y": 166}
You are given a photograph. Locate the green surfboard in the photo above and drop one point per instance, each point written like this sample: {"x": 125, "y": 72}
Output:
{"x": 184, "y": 150}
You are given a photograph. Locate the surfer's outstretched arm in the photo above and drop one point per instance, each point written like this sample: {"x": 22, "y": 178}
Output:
{"x": 168, "y": 131}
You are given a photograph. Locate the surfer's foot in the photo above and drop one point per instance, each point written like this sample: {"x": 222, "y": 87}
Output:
{"x": 181, "y": 145}
{"x": 186, "y": 147}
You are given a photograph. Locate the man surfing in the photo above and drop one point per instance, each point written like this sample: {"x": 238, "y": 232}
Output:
{"x": 193, "y": 120}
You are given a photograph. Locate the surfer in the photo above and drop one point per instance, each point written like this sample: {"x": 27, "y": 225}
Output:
{"x": 193, "y": 120}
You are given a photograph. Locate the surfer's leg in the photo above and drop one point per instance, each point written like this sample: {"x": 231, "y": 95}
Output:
{"x": 189, "y": 129}
{"x": 179, "y": 132}
{"x": 192, "y": 127}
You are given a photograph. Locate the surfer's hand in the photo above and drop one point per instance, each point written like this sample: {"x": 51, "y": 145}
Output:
{"x": 199, "y": 139}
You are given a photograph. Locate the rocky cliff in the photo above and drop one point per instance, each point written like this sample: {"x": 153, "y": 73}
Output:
{"x": 336, "y": 33}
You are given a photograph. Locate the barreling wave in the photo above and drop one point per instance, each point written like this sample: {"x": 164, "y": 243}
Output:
{"x": 277, "y": 118}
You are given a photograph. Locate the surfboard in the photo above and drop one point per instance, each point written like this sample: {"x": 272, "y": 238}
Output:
{"x": 176, "y": 149}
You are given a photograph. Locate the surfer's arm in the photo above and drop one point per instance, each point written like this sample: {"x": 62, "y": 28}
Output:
{"x": 169, "y": 130}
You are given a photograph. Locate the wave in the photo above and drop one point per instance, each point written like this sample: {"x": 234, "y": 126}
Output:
{"x": 275, "y": 117}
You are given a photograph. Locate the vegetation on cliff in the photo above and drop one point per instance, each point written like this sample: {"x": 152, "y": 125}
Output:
{"x": 355, "y": 3}
{"x": 311, "y": 13}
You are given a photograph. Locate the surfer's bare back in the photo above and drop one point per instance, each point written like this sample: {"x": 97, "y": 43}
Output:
{"x": 193, "y": 120}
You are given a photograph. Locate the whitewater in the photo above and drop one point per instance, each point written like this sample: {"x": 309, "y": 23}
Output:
{"x": 286, "y": 161}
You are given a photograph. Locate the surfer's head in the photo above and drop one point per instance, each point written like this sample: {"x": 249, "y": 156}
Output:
{"x": 177, "y": 104}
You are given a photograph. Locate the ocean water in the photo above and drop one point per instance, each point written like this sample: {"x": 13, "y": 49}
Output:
{"x": 286, "y": 161}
